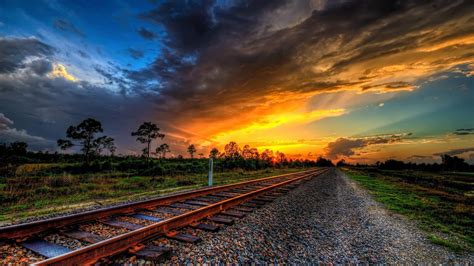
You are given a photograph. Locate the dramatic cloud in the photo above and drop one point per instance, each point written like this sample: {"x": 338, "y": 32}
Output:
{"x": 420, "y": 157}
{"x": 14, "y": 51}
{"x": 46, "y": 98}
{"x": 345, "y": 147}
{"x": 219, "y": 56}
{"x": 464, "y": 131}
{"x": 134, "y": 53}
{"x": 234, "y": 70}
{"x": 147, "y": 34}
{"x": 455, "y": 151}
{"x": 5, "y": 122}
{"x": 67, "y": 26}
{"x": 9, "y": 134}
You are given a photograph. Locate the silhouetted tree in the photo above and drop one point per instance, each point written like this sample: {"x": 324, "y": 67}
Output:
{"x": 341, "y": 163}
{"x": 453, "y": 163}
{"x": 267, "y": 155}
{"x": 162, "y": 150}
{"x": 191, "y": 150}
{"x": 146, "y": 133}
{"x": 323, "y": 162}
{"x": 232, "y": 150}
{"x": 102, "y": 143}
{"x": 281, "y": 157}
{"x": 254, "y": 153}
{"x": 84, "y": 135}
{"x": 214, "y": 153}
{"x": 393, "y": 165}
{"x": 247, "y": 152}
{"x": 18, "y": 148}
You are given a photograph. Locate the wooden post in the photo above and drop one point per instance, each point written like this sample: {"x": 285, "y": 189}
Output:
{"x": 211, "y": 165}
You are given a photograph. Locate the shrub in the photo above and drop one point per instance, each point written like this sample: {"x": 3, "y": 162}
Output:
{"x": 60, "y": 180}
{"x": 180, "y": 181}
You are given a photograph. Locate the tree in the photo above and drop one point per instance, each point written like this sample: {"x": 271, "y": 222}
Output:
{"x": 146, "y": 133}
{"x": 254, "y": 153}
{"x": 323, "y": 162}
{"x": 191, "y": 150}
{"x": 453, "y": 163}
{"x": 267, "y": 155}
{"x": 18, "y": 148}
{"x": 84, "y": 135}
{"x": 341, "y": 163}
{"x": 247, "y": 152}
{"x": 214, "y": 153}
{"x": 232, "y": 150}
{"x": 104, "y": 142}
{"x": 281, "y": 157}
{"x": 162, "y": 150}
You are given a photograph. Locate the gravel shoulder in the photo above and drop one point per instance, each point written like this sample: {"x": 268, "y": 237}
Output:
{"x": 328, "y": 219}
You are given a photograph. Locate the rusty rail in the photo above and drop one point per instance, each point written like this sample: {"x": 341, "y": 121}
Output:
{"x": 90, "y": 254}
{"x": 28, "y": 229}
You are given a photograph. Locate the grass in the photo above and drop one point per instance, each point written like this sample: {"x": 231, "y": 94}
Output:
{"x": 29, "y": 195}
{"x": 447, "y": 215}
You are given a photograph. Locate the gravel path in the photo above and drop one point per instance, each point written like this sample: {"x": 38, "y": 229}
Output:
{"x": 328, "y": 219}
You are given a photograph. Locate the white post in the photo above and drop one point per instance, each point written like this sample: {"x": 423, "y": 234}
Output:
{"x": 210, "y": 172}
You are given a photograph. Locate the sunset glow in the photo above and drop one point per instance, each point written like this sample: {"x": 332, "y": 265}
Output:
{"x": 346, "y": 80}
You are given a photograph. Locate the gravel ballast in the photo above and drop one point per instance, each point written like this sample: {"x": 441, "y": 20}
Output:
{"x": 328, "y": 219}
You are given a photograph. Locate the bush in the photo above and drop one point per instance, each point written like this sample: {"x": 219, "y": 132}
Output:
{"x": 60, "y": 180}
{"x": 180, "y": 181}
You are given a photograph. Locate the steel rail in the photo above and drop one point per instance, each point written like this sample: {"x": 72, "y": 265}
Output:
{"x": 27, "y": 229}
{"x": 90, "y": 254}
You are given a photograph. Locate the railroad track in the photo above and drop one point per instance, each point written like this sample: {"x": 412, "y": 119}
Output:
{"x": 140, "y": 222}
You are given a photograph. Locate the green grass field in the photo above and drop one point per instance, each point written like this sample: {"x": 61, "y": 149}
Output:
{"x": 439, "y": 203}
{"x": 27, "y": 194}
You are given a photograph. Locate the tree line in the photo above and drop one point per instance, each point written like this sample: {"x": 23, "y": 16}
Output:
{"x": 89, "y": 138}
{"x": 86, "y": 136}
{"x": 448, "y": 163}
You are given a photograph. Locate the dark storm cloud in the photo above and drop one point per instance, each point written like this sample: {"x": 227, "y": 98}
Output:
{"x": 83, "y": 54}
{"x": 346, "y": 147}
{"x": 9, "y": 134}
{"x": 147, "y": 34}
{"x": 134, "y": 53}
{"x": 217, "y": 57}
{"x": 224, "y": 61}
{"x": 13, "y": 52}
{"x": 464, "y": 131}
{"x": 67, "y": 26}
{"x": 40, "y": 107}
{"x": 455, "y": 151}
{"x": 41, "y": 66}
{"x": 5, "y": 122}
{"x": 420, "y": 157}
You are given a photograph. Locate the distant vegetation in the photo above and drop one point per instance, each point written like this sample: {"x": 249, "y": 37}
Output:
{"x": 42, "y": 182}
{"x": 92, "y": 143}
{"x": 438, "y": 196}
{"x": 448, "y": 163}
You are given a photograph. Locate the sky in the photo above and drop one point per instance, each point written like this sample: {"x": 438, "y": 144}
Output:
{"x": 357, "y": 80}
